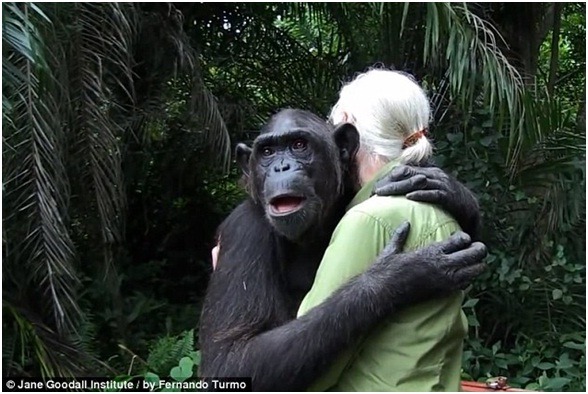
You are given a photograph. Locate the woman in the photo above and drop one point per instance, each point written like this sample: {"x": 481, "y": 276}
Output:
{"x": 420, "y": 348}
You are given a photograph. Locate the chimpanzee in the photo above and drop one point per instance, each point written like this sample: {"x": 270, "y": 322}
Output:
{"x": 272, "y": 244}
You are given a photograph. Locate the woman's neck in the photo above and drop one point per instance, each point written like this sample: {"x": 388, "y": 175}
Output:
{"x": 368, "y": 166}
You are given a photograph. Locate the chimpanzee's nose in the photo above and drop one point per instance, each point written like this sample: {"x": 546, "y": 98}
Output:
{"x": 282, "y": 167}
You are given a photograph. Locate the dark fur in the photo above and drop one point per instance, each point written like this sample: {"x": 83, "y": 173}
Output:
{"x": 248, "y": 326}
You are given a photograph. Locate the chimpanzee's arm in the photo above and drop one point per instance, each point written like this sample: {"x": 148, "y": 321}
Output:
{"x": 239, "y": 337}
{"x": 433, "y": 185}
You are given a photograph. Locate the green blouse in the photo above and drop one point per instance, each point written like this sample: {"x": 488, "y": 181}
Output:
{"x": 420, "y": 347}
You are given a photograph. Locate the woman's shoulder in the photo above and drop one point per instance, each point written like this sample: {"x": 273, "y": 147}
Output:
{"x": 393, "y": 210}
{"x": 396, "y": 205}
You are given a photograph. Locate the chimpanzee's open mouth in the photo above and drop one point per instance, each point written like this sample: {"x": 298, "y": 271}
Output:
{"x": 284, "y": 205}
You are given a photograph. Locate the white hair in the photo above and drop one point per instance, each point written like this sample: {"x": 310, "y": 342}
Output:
{"x": 386, "y": 107}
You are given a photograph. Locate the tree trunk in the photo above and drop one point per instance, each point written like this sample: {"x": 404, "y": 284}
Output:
{"x": 523, "y": 26}
{"x": 553, "y": 63}
{"x": 581, "y": 115}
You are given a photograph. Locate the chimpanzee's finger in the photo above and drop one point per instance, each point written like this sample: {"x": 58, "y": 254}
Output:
{"x": 404, "y": 171}
{"x": 465, "y": 276}
{"x": 436, "y": 184}
{"x": 470, "y": 256}
{"x": 401, "y": 172}
{"x": 387, "y": 187}
{"x": 431, "y": 172}
{"x": 457, "y": 241}
{"x": 431, "y": 196}
{"x": 399, "y": 238}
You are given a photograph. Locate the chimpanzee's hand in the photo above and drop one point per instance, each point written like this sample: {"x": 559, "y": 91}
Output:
{"x": 433, "y": 270}
{"x": 433, "y": 185}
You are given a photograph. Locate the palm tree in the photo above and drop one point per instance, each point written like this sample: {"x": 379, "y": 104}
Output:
{"x": 79, "y": 82}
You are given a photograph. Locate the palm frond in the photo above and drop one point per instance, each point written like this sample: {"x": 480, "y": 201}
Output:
{"x": 101, "y": 58}
{"x": 467, "y": 46}
{"x": 204, "y": 108}
{"x": 550, "y": 164}
{"x": 54, "y": 353}
{"x": 73, "y": 88}
{"x": 36, "y": 185}
{"x": 168, "y": 53}
{"x": 304, "y": 73}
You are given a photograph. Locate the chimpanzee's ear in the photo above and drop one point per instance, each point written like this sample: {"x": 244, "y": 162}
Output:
{"x": 347, "y": 139}
{"x": 243, "y": 153}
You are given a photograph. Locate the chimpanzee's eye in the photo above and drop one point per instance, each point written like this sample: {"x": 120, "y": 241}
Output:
{"x": 299, "y": 144}
{"x": 267, "y": 151}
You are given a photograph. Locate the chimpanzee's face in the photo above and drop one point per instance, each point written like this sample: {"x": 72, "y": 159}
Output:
{"x": 296, "y": 169}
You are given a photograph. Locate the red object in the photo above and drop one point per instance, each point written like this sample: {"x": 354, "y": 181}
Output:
{"x": 497, "y": 384}
{"x": 413, "y": 138}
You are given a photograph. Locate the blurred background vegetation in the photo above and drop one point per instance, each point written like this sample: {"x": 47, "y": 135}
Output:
{"x": 118, "y": 126}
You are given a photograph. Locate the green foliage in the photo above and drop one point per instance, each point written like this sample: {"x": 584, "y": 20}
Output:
{"x": 530, "y": 364}
{"x": 524, "y": 310}
{"x": 539, "y": 319}
{"x": 570, "y": 83}
{"x": 184, "y": 370}
{"x": 171, "y": 359}
{"x": 168, "y": 351}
